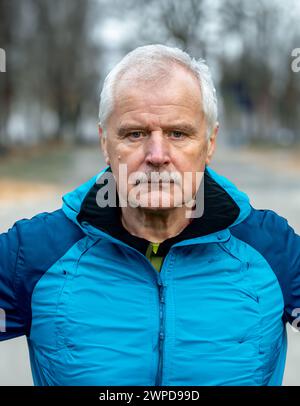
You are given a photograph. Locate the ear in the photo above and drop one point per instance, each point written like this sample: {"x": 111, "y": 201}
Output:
{"x": 103, "y": 143}
{"x": 212, "y": 144}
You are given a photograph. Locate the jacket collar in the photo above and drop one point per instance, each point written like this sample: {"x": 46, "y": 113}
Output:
{"x": 224, "y": 206}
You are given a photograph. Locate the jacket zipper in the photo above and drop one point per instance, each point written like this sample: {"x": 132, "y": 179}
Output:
{"x": 161, "y": 311}
{"x": 161, "y": 331}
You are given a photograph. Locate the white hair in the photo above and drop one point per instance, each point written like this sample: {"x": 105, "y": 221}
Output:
{"x": 150, "y": 63}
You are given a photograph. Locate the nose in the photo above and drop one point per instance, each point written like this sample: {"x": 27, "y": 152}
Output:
{"x": 157, "y": 150}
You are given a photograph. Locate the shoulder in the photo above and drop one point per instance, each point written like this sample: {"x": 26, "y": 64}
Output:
{"x": 42, "y": 240}
{"x": 47, "y": 231}
{"x": 264, "y": 227}
{"x": 36, "y": 244}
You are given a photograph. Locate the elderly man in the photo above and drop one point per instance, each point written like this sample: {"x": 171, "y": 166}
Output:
{"x": 171, "y": 280}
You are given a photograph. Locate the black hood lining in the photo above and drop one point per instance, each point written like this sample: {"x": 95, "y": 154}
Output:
{"x": 220, "y": 211}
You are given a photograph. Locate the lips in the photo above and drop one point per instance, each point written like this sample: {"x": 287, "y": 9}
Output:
{"x": 161, "y": 181}
{"x": 138, "y": 182}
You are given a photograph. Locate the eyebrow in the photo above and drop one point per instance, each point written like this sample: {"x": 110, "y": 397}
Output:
{"x": 184, "y": 127}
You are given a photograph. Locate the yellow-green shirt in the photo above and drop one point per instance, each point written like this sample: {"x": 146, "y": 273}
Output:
{"x": 151, "y": 254}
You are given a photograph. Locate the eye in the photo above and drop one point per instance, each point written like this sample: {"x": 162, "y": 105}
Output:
{"x": 135, "y": 135}
{"x": 177, "y": 134}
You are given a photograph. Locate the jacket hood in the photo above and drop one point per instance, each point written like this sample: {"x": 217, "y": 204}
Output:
{"x": 224, "y": 206}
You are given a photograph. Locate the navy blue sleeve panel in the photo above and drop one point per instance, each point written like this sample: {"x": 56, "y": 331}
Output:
{"x": 272, "y": 236}
{"x": 9, "y": 249}
{"x": 27, "y": 251}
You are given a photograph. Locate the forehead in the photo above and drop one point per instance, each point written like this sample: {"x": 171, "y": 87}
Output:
{"x": 178, "y": 94}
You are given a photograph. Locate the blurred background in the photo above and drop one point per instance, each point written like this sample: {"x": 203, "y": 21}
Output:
{"x": 59, "y": 51}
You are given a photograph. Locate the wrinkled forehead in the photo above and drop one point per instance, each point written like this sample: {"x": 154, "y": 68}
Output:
{"x": 178, "y": 88}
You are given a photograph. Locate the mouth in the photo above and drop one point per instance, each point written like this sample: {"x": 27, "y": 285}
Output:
{"x": 160, "y": 181}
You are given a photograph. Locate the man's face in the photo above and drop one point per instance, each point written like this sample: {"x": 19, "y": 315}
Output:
{"x": 158, "y": 128}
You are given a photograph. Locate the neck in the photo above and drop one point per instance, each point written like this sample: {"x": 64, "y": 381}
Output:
{"x": 154, "y": 225}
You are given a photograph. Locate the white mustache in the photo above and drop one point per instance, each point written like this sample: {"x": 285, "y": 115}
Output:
{"x": 157, "y": 177}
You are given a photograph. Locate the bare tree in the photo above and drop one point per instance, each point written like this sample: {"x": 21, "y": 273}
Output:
{"x": 8, "y": 26}
{"x": 69, "y": 59}
{"x": 53, "y": 64}
{"x": 170, "y": 21}
{"x": 258, "y": 81}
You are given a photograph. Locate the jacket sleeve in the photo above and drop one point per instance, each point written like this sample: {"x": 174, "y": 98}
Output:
{"x": 11, "y": 321}
{"x": 271, "y": 235}
{"x": 290, "y": 278}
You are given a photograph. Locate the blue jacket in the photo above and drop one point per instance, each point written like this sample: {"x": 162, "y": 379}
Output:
{"x": 96, "y": 312}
